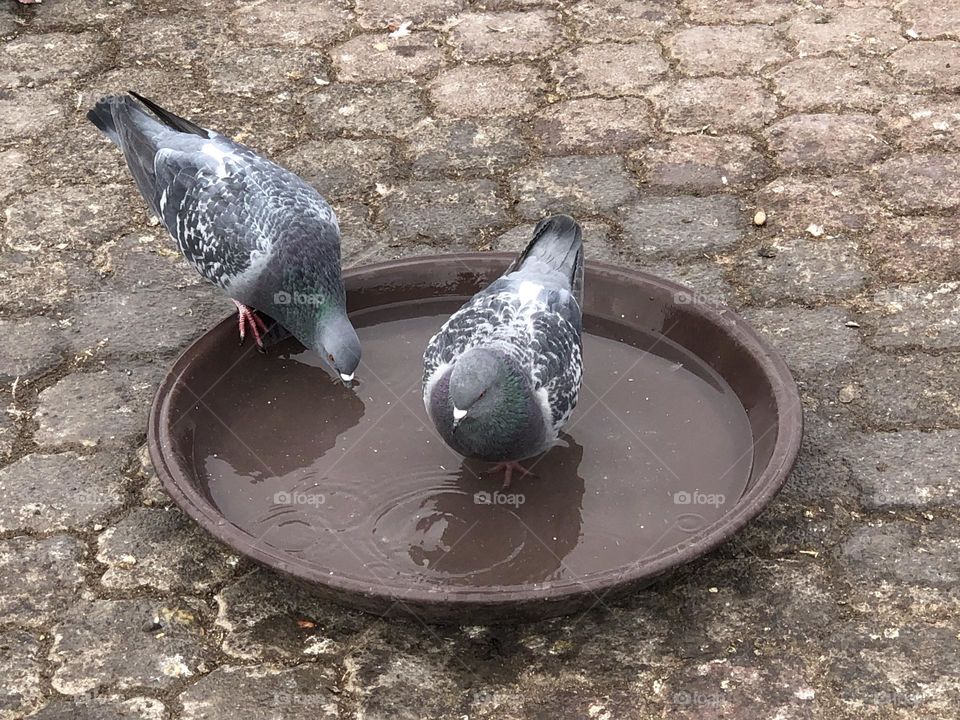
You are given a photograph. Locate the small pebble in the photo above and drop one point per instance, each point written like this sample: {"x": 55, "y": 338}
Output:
{"x": 848, "y": 394}
{"x": 760, "y": 218}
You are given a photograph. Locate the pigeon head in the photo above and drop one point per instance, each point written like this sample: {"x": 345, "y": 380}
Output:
{"x": 338, "y": 344}
{"x": 484, "y": 387}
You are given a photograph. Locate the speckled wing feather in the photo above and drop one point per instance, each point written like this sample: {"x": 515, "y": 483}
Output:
{"x": 540, "y": 331}
{"x": 224, "y": 205}
{"x": 556, "y": 350}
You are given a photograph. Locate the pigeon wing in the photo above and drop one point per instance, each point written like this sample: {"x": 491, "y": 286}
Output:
{"x": 556, "y": 354}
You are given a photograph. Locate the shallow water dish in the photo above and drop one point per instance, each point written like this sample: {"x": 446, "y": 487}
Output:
{"x": 687, "y": 426}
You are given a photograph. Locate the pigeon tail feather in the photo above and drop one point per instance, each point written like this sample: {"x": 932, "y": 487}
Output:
{"x": 169, "y": 119}
{"x": 101, "y": 115}
{"x": 558, "y": 243}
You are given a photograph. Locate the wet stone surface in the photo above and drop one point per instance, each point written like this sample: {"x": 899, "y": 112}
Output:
{"x": 664, "y": 126}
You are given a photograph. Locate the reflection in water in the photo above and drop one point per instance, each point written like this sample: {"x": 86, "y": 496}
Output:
{"x": 484, "y": 536}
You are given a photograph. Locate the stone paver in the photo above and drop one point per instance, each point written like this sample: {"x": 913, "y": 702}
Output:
{"x": 815, "y": 343}
{"x": 42, "y": 577}
{"x": 265, "y": 617}
{"x": 505, "y": 35}
{"x": 102, "y": 707}
{"x": 378, "y": 14}
{"x": 867, "y": 30}
{"x": 432, "y": 126}
{"x": 595, "y": 125}
{"x": 812, "y": 84}
{"x": 714, "y": 104}
{"x": 263, "y": 693}
{"x": 923, "y": 122}
{"x": 379, "y": 109}
{"x": 915, "y": 248}
{"x": 604, "y": 20}
{"x": 108, "y": 407}
{"x": 126, "y": 644}
{"x": 911, "y": 183}
{"x": 803, "y": 269}
{"x": 705, "y": 164}
{"x": 609, "y": 69}
{"x": 579, "y": 184}
{"x": 438, "y": 147}
{"x": 20, "y": 667}
{"x": 916, "y": 316}
{"x": 930, "y": 18}
{"x": 907, "y": 468}
{"x": 726, "y": 50}
{"x": 825, "y": 141}
{"x": 843, "y": 204}
{"x": 63, "y": 491}
{"x": 931, "y": 65}
{"x": 31, "y": 347}
{"x": 441, "y": 209}
{"x": 373, "y": 58}
{"x": 163, "y": 550}
{"x": 486, "y": 90}
{"x": 683, "y": 225}
{"x": 339, "y": 168}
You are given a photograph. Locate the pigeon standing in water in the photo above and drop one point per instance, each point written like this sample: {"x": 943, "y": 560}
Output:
{"x": 502, "y": 376}
{"x": 265, "y": 236}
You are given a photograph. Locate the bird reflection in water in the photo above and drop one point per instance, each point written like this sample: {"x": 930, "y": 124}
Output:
{"x": 482, "y": 536}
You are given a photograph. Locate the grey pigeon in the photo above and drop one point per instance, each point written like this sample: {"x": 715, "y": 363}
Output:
{"x": 258, "y": 231}
{"x": 502, "y": 376}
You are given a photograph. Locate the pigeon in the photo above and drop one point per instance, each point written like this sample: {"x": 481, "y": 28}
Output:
{"x": 259, "y": 232}
{"x": 502, "y": 376}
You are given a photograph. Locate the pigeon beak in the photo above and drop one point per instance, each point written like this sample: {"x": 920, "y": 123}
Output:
{"x": 347, "y": 379}
{"x": 458, "y": 415}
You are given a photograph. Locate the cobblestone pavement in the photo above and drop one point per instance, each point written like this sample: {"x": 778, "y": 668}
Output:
{"x": 665, "y": 125}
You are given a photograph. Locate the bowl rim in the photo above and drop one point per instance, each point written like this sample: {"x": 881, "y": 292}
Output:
{"x": 753, "y": 501}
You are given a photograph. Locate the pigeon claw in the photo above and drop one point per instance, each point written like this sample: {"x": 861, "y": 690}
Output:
{"x": 508, "y": 469}
{"x": 247, "y": 317}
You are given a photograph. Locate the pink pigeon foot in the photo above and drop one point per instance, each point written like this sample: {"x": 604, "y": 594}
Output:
{"x": 508, "y": 469}
{"x": 246, "y": 317}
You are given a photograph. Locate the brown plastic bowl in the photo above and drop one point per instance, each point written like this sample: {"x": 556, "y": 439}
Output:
{"x": 626, "y": 299}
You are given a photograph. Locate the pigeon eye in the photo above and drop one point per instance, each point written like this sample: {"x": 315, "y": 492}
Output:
{"x": 330, "y": 357}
